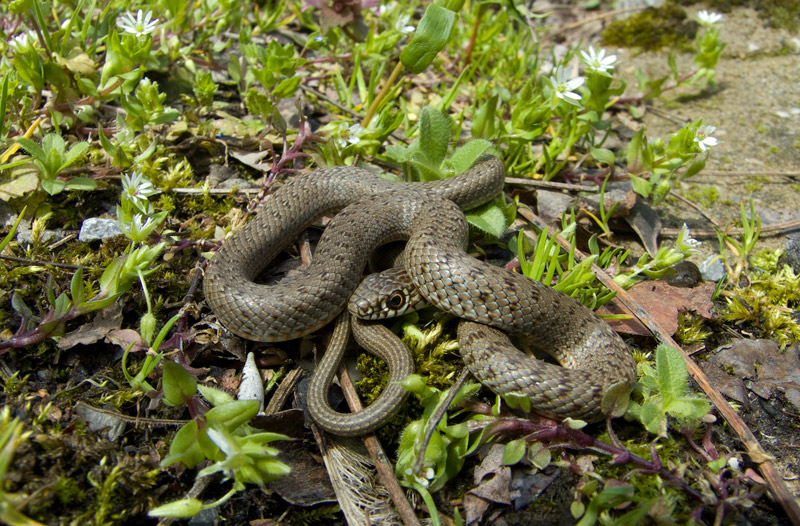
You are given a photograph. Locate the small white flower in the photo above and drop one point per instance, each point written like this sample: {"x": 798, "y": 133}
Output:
{"x": 598, "y": 61}
{"x": 704, "y": 139}
{"x": 138, "y": 189}
{"x": 708, "y": 19}
{"x": 23, "y": 42}
{"x": 142, "y": 24}
{"x": 344, "y": 135}
{"x": 563, "y": 87}
{"x": 403, "y": 26}
{"x": 686, "y": 242}
{"x": 139, "y": 228}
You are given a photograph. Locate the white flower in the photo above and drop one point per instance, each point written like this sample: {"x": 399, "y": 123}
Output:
{"x": 704, "y": 139}
{"x": 708, "y": 19}
{"x": 138, "y": 189}
{"x": 344, "y": 135}
{"x": 139, "y": 26}
{"x": 23, "y": 42}
{"x": 403, "y": 26}
{"x": 598, "y": 61}
{"x": 139, "y": 229}
{"x": 686, "y": 243}
{"x": 563, "y": 87}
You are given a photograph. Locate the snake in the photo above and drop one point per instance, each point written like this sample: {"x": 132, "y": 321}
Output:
{"x": 372, "y": 212}
{"x": 305, "y": 302}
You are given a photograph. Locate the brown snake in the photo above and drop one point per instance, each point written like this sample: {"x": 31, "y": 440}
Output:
{"x": 439, "y": 268}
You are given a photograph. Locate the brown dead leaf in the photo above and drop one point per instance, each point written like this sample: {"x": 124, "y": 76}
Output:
{"x": 105, "y": 321}
{"x": 663, "y": 302}
{"x": 124, "y": 337}
{"x": 763, "y": 363}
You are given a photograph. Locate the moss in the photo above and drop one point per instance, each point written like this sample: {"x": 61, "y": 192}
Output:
{"x": 705, "y": 197}
{"x": 652, "y": 29}
{"x": 782, "y": 14}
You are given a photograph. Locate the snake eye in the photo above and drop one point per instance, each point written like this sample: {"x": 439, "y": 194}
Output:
{"x": 396, "y": 300}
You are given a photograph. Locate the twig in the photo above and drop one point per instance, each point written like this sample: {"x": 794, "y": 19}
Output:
{"x": 552, "y": 184}
{"x": 27, "y": 261}
{"x": 382, "y": 464}
{"x": 769, "y": 230}
{"x": 750, "y": 174}
{"x": 750, "y": 442}
{"x": 433, "y": 421}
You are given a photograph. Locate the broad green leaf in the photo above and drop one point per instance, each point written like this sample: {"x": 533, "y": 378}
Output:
{"x": 464, "y": 157}
{"x": 178, "y": 385}
{"x": 286, "y": 87}
{"x": 431, "y": 36}
{"x": 603, "y": 155}
{"x": 672, "y": 373}
{"x": 434, "y": 136}
{"x": 489, "y": 219}
{"x": 233, "y": 414}
{"x": 31, "y": 147}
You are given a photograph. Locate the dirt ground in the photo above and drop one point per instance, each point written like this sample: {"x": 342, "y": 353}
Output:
{"x": 756, "y": 108}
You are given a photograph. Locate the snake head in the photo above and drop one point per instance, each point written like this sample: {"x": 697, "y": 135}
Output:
{"x": 386, "y": 294}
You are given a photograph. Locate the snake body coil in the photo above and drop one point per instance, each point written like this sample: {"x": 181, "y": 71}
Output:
{"x": 427, "y": 214}
{"x": 305, "y": 302}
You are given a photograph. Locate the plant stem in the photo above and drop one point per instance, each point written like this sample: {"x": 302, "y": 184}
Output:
{"x": 382, "y": 95}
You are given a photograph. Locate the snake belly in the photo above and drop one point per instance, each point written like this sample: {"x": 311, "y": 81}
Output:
{"x": 301, "y": 304}
{"x": 593, "y": 356}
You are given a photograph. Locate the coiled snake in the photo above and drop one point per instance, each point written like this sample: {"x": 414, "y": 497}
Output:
{"x": 427, "y": 214}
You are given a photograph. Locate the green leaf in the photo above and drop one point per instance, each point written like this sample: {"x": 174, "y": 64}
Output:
{"x": 53, "y": 186}
{"x": 431, "y": 36}
{"x": 13, "y": 232}
{"x": 672, "y": 373}
{"x": 464, "y": 157}
{"x": 81, "y": 183}
{"x": 19, "y": 305}
{"x": 489, "y": 219}
{"x": 483, "y": 120}
{"x": 603, "y": 155}
{"x": 286, "y": 87}
{"x": 72, "y": 155}
{"x": 434, "y": 136}
{"x": 514, "y": 452}
{"x": 185, "y": 447}
{"x": 213, "y": 395}
{"x": 31, "y": 147}
{"x": 695, "y": 167}
{"x": 178, "y": 385}
{"x": 616, "y": 399}
{"x": 634, "y": 150}
{"x": 76, "y": 287}
{"x": 233, "y": 414}
{"x": 641, "y": 186}
{"x": 539, "y": 455}
{"x": 653, "y": 419}
{"x": 182, "y": 509}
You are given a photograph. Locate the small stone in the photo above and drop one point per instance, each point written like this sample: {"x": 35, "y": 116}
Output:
{"x": 712, "y": 269}
{"x": 25, "y": 235}
{"x": 791, "y": 252}
{"x": 97, "y": 228}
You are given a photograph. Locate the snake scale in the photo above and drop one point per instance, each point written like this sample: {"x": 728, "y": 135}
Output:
{"x": 373, "y": 212}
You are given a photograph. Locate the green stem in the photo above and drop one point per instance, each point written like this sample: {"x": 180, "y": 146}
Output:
{"x": 382, "y": 95}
